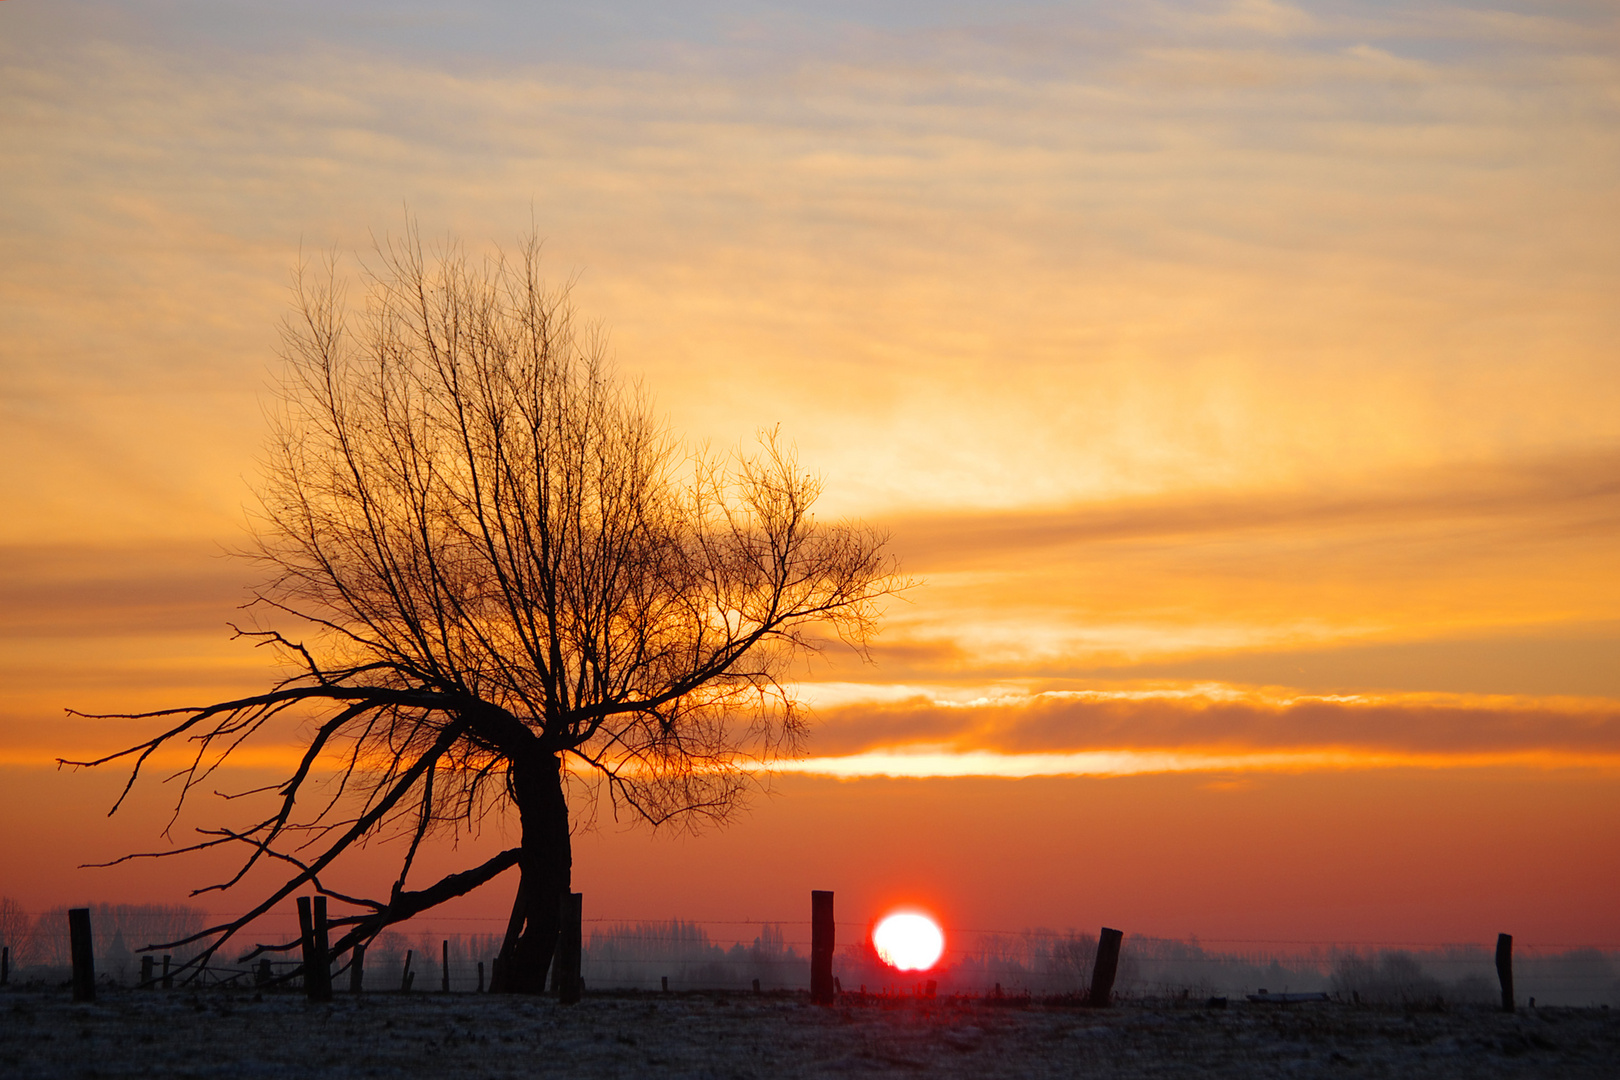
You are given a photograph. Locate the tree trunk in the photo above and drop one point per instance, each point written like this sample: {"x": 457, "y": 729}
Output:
{"x": 546, "y": 863}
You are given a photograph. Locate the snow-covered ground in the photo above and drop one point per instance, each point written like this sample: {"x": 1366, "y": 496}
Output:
{"x": 242, "y": 1035}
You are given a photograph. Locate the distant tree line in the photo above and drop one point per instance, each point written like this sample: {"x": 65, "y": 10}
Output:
{"x": 40, "y": 940}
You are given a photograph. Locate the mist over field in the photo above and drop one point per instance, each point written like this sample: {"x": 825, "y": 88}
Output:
{"x": 1037, "y": 963}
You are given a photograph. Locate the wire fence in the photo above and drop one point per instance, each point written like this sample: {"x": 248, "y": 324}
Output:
{"x": 654, "y": 953}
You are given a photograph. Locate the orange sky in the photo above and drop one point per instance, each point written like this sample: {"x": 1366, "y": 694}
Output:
{"x": 1239, "y": 378}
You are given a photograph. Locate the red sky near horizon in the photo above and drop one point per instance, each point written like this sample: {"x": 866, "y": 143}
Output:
{"x": 1238, "y": 378}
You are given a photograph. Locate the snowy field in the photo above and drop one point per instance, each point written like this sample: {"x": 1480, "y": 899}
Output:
{"x": 242, "y": 1035}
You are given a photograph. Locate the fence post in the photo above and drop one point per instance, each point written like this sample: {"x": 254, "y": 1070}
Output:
{"x": 570, "y": 947}
{"x": 5, "y": 964}
{"x": 306, "y": 944}
{"x": 168, "y": 980}
{"x": 407, "y": 977}
{"x": 323, "y": 950}
{"x": 83, "y": 954}
{"x": 147, "y": 963}
{"x": 1102, "y": 976}
{"x": 480, "y": 976}
{"x": 444, "y": 968}
{"x": 1504, "y": 969}
{"x": 822, "y": 940}
{"x": 312, "y": 926}
{"x": 664, "y": 982}
{"x": 357, "y": 968}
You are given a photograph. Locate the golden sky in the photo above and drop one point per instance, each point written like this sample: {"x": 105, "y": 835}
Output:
{"x": 1240, "y": 378}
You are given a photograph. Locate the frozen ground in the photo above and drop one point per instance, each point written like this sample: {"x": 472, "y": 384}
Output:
{"x": 451, "y": 1036}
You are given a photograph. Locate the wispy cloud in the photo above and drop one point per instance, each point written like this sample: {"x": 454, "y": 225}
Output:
{"x": 1249, "y": 344}
{"x": 925, "y": 764}
{"x": 1204, "y": 719}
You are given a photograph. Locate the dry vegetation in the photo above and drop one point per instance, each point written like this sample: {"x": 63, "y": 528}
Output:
{"x": 241, "y": 1034}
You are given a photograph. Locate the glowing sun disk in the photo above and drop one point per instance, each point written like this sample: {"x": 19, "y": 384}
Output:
{"x": 908, "y": 941}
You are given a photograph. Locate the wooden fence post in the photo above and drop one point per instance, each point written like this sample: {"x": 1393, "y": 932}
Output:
{"x": 664, "y": 980}
{"x": 83, "y": 955}
{"x": 306, "y": 944}
{"x": 317, "y": 968}
{"x": 1102, "y": 976}
{"x": 5, "y": 964}
{"x": 407, "y": 976}
{"x": 823, "y": 937}
{"x": 444, "y": 968}
{"x": 1504, "y": 969}
{"x": 323, "y": 949}
{"x": 480, "y": 976}
{"x": 570, "y": 948}
{"x": 147, "y": 964}
{"x": 357, "y": 968}
{"x": 168, "y": 980}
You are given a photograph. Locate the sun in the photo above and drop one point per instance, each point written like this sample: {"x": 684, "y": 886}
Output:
{"x": 909, "y": 941}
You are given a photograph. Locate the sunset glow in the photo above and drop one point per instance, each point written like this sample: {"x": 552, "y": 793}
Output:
{"x": 1236, "y": 379}
{"x": 908, "y": 941}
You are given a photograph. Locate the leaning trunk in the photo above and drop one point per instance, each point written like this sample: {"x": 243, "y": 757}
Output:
{"x": 546, "y": 863}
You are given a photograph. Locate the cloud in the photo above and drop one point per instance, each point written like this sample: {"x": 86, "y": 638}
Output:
{"x": 928, "y": 764}
{"x": 1184, "y": 343}
{"x": 980, "y": 262}
{"x": 1206, "y": 730}
{"x": 1573, "y": 494}
{"x": 149, "y": 589}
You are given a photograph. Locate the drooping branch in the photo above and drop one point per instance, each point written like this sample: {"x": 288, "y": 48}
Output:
{"x": 402, "y": 906}
{"x": 223, "y": 932}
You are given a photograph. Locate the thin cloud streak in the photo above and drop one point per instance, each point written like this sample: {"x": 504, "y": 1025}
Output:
{"x": 924, "y": 764}
{"x": 1228, "y": 720}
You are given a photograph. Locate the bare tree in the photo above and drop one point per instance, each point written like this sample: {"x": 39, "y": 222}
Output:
{"x": 16, "y": 930}
{"x": 512, "y": 585}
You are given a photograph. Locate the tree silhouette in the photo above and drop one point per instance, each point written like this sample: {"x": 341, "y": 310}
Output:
{"x": 512, "y": 586}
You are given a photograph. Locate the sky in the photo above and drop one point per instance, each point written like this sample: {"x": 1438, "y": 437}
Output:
{"x": 1238, "y": 379}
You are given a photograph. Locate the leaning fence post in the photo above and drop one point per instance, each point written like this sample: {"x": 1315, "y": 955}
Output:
{"x": 407, "y": 977}
{"x": 1102, "y": 976}
{"x": 1504, "y": 969}
{"x": 822, "y": 940}
{"x": 444, "y": 968}
{"x": 83, "y": 955}
{"x": 570, "y": 946}
{"x": 357, "y": 968}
